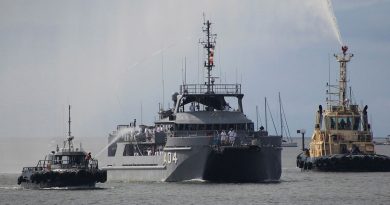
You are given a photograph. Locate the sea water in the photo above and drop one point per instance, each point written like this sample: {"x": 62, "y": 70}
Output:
{"x": 295, "y": 187}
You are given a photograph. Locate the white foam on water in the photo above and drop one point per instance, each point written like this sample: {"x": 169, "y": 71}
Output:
{"x": 10, "y": 187}
{"x": 195, "y": 181}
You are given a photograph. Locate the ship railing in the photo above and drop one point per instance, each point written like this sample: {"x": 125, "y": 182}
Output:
{"x": 215, "y": 89}
{"x": 241, "y": 136}
{"x": 93, "y": 164}
{"x": 197, "y": 133}
{"x": 30, "y": 169}
{"x": 44, "y": 164}
{"x": 65, "y": 164}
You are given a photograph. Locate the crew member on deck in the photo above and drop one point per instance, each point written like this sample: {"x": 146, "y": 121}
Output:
{"x": 232, "y": 136}
{"x": 223, "y": 137}
{"x": 88, "y": 157}
{"x": 192, "y": 107}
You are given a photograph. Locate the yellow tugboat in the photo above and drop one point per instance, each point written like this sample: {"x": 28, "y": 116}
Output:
{"x": 344, "y": 141}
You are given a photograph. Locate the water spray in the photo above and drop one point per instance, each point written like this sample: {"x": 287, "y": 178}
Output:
{"x": 121, "y": 133}
{"x": 333, "y": 21}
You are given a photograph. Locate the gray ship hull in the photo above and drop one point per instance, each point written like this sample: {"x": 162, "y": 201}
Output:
{"x": 183, "y": 159}
{"x": 188, "y": 158}
{"x": 253, "y": 163}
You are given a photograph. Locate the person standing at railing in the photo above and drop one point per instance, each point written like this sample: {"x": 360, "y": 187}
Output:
{"x": 88, "y": 158}
{"x": 223, "y": 137}
{"x": 192, "y": 107}
{"x": 227, "y": 107}
{"x": 232, "y": 136}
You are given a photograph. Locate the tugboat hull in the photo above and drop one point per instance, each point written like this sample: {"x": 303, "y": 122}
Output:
{"x": 76, "y": 179}
{"x": 345, "y": 163}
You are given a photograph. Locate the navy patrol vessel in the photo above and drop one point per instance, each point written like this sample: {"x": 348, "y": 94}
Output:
{"x": 66, "y": 167}
{"x": 344, "y": 142}
{"x": 201, "y": 137}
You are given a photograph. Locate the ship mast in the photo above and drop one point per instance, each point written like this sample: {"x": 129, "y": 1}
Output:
{"x": 69, "y": 133}
{"x": 343, "y": 59}
{"x": 209, "y": 45}
{"x": 70, "y": 137}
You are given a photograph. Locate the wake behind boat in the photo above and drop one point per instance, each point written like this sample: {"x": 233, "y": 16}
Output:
{"x": 345, "y": 142}
{"x": 66, "y": 167}
{"x": 205, "y": 136}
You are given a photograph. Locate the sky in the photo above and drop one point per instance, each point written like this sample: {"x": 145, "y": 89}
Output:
{"x": 115, "y": 61}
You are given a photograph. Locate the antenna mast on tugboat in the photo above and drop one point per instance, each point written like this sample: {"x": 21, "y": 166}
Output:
{"x": 209, "y": 45}
{"x": 70, "y": 137}
{"x": 343, "y": 59}
{"x": 69, "y": 133}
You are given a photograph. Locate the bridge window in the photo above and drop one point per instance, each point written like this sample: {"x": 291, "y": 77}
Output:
{"x": 186, "y": 127}
{"x": 344, "y": 123}
{"x": 250, "y": 126}
{"x": 241, "y": 127}
{"x": 202, "y": 127}
{"x": 192, "y": 127}
{"x": 330, "y": 123}
{"x": 180, "y": 127}
{"x": 58, "y": 160}
{"x": 65, "y": 160}
{"x": 356, "y": 123}
{"x": 76, "y": 159}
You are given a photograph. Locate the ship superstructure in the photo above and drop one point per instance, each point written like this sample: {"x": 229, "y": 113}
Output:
{"x": 206, "y": 135}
